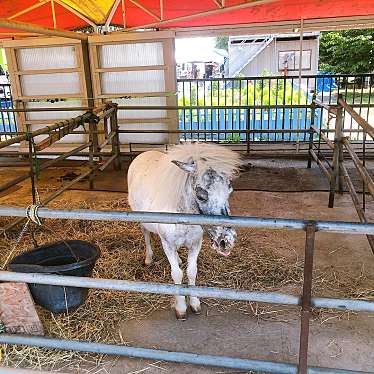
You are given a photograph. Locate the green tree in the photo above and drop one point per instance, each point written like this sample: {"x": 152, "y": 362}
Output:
{"x": 347, "y": 52}
{"x": 222, "y": 42}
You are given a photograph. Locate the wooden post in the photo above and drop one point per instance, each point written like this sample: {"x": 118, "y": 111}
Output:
{"x": 311, "y": 129}
{"x": 93, "y": 149}
{"x": 115, "y": 140}
{"x": 337, "y": 154}
{"x": 32, "y": 165}
{"x": 171, "y": 86}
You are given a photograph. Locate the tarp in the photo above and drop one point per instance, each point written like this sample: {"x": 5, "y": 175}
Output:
{"x": 139, "y": 13}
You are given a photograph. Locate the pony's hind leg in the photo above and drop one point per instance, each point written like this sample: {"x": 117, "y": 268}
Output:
{"x": 148, "y": 246}
{"x": 177, "y": 275}
{"x": 193, "y": 254}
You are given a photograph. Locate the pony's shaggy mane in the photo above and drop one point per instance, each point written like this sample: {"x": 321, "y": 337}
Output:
{"x": 208, "y": 156}
{"x": 171, "y": 180}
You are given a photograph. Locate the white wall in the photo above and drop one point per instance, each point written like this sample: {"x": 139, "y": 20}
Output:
{"x": 268, "y": 58}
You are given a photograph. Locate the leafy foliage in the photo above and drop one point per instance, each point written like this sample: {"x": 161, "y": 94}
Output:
{"x": 265, "y": 92}
{"x": 347, "y": 52}
{"x": 222, "y": 42}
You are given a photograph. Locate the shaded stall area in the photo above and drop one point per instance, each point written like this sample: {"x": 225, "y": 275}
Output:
{"x": 295, "y": 296}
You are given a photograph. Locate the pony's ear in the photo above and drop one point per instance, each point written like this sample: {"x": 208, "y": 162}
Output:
{"x": 188, "y": 167}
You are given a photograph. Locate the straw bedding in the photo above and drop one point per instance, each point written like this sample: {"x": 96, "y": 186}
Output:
{"x": 253, "y": 265}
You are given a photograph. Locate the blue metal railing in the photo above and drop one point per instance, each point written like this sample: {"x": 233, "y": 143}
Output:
{"x": 8, "y": 123}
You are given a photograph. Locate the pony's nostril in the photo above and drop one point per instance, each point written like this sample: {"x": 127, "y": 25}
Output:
{"x": 222, "y": 244}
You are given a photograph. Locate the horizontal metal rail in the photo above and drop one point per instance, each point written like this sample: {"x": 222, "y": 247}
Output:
{"x": 274, "y": 77}
{"x": 210, "y": 131}
{"x": 157, "y": 288}
{"x": 195, "y": 107}
{"x": 156, "y": 354}
{"x": 193, "y": 219}
{"x": 172, "y": 289}
{"x": 56, "y": 109}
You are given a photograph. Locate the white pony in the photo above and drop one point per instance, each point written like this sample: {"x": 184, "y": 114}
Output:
{"x": 192, "y": 178}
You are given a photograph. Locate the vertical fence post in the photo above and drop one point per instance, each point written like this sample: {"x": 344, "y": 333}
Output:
{"x": 32, "y": 163}
{"x": 115, "y": 140}
{"x": 306, "y": 305}
{"x": 337, "y": 155}
{"x": 93, "y": 149}
{"x": 247, "y": 134}
{"x": 311, "y": 129}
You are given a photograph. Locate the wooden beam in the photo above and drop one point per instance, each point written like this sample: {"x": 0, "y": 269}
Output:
{"x": 29, "y": 27}
{"x": 53, "y": 14}
{"x": 361, "y": 121}
{"x": 123, "y": 13}
{"x": 201, "y": 14}
{"x": 281, "y": 27}
{"x": 29, "y": 9}
{"x": 21, "y": 34}
{"x": 131, "y": 68}
{"x": 218, "y": 3}
{"x": 162, "y": 9}
{"x": 48, "y": 71}
{"x": 75, "y": 12}
{"x": 111, "y": 13}
{"x": 145, "y": 10}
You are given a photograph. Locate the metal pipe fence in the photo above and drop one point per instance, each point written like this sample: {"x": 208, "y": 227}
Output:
{"x": 268, "y": 103}
{"x": 306, "y": 301}
{"x": 271, "y": 103}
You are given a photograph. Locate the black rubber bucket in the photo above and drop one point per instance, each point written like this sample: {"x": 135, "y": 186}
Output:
{"x": 70, "y": 257}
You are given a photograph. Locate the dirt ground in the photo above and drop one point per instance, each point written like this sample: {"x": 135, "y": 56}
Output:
{"x": 337, "y": 339}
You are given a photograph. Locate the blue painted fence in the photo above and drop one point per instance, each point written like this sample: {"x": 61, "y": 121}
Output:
{"x": 7, "y": 119}
{"x": 242, "y": 119}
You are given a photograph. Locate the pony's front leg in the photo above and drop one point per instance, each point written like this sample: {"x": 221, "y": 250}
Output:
{"x": 148, "y": 246}
{"x": 193, "y": 254}
{"x": 177, "y": 275}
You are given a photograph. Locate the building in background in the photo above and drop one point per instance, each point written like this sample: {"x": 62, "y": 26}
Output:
{"x": 254, "y": 55}
{"x": 200, "y": 63}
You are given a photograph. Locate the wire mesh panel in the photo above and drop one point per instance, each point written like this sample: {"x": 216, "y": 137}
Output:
{"x": 137, "y": 70}
{"x": 130, "y": 82}
{"x": 48, "y": 73}
{"x": 61, "y": 57}
{"x": 131, "y": 54}
{"x": 50, "y": 84}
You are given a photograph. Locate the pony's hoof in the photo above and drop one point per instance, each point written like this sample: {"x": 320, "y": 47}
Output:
{"x": 148, "y": 261}
{"x": 195, "y": 309}
{"x": 181, "y": 316}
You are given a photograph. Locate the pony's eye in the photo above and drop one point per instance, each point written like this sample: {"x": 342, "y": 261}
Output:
{"x": 201, "y": 194}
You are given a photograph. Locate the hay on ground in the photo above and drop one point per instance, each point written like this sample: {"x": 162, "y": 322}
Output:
{"x": 253, "y": 265}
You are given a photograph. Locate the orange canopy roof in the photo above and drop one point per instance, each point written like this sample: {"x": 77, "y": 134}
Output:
{"x": 72, "y": 14}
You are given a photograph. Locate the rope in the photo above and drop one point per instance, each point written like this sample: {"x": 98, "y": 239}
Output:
{"x": 32, "y": 213}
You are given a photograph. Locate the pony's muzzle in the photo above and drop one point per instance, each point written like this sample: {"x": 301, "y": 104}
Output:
{"x": 223, "y": 240}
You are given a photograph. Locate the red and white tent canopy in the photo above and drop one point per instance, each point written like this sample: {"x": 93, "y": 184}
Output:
{"x": 73, "y": 14}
